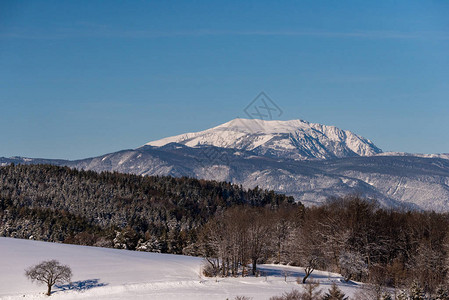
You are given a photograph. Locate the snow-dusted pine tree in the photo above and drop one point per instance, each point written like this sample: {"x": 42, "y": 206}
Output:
{"x": 402, "y": 295}
{"x": 416, "y": 292}
{"x": 386, "y": 296}
{"x": 442, "y": 293}
{"x": 311, "y": 291}
{"x": 334, "y": 293}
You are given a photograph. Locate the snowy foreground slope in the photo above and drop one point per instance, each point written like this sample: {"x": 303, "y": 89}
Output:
{"x": 100, "y": 273}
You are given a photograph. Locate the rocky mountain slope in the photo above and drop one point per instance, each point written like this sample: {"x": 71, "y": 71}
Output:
{"x": 295, "y": 139}
{"x": 273, "y": 156}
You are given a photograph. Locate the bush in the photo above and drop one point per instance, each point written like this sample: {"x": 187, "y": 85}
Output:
{"x": 208, "y": 270}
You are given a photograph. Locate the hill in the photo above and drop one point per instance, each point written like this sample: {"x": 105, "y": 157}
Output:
{"x": 101, "y": 273}
{"x": 160, "y": 214}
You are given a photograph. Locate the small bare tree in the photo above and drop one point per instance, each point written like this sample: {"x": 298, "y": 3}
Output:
{"x": 312, "y": 262}
{"x": 49, "y": 272}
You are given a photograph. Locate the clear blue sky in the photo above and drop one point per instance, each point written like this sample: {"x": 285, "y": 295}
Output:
{"x": 85, "y": 78}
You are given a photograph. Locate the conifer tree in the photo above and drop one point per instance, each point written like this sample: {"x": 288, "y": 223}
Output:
{"x": 311, "y": 291}
{"x": 442, "y": 293}
{"x": 416, "y": 292}
{"x": 334, "y": 293}
{"x": 402, "y": 295}
{"x": 386, "y": 296}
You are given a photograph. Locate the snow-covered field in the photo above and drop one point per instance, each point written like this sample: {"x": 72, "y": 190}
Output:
{"x": 101, "y": 273}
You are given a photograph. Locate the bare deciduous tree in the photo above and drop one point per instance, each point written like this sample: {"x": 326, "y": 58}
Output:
{"x": 312, "y": 262}
{"x": 309, "y": 248}
{"x": 49, "y": 272}
{"x": 257, "y": 229}
{"x": 352, "y": 264}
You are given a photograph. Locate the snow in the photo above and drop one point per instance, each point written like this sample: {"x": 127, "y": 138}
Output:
{"x": 283, "y": 137}
{"x": 101, "y": 273}
{"x": 435, "y": 155}
{"x": 239, "y": 126}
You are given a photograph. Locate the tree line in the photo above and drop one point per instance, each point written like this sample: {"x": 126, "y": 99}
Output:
{"x": 351, "y": 236}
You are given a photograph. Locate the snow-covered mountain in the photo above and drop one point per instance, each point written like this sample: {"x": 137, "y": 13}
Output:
{"x": 288, "y": 157}
{"x": 295, "y": 139}
{"x": 435, "y": 155}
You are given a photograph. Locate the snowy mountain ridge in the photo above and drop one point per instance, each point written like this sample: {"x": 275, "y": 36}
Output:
{"x": 294, "y": 139}
{"x": 434, "y": 155}
{"x": 311, "y": 162}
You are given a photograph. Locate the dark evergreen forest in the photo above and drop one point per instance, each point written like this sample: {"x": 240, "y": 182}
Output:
{"x": 159, "y": 214}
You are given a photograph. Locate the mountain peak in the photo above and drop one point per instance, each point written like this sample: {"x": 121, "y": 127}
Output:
{"x": 294, "y": 139}
{"x": 263, "y": 126}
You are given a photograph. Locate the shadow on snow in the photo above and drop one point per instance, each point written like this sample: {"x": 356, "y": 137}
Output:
{"x": 81, "y": 285}
{"x": 280, "y": 272}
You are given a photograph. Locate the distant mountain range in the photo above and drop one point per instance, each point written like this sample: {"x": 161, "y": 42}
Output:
{"x": 308, "y": 161}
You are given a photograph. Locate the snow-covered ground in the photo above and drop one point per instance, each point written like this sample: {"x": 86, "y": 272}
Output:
{"x": 101, "y": 273}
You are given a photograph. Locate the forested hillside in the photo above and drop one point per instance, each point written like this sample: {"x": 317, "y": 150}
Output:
{"x": 160, "y": 214}
{"x": 233, "y": 228}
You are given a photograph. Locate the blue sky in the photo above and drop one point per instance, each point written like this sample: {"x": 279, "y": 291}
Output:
{"x": 85, "y": 78}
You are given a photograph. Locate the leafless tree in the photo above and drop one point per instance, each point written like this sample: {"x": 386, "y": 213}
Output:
{"x": 223, "y": 242}
{"x": 49, "y": 272}
{"x": 284, "y": 223}
{"x": 309, "y": 247}
{"x": 352, "y": 265}
{"x": 257, "y": 231}
{"x": 312, "y": 262}
{"x": 429, "y": 268}
{"x": 286, "y": 273}
{"x": 334, "y": 238}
